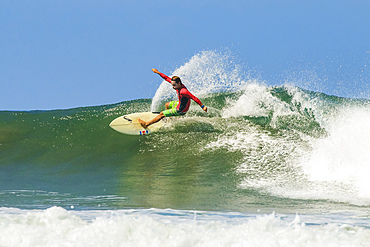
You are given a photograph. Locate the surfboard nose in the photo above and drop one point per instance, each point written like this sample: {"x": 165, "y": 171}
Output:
{"x": 119, "y": 121}
{"x": 116, "y": 122}
{"x": 128, "y": 124}
{"x": 112, "y": 123}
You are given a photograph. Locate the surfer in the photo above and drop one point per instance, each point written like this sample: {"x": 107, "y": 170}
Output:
{"x": 174, "y": 108}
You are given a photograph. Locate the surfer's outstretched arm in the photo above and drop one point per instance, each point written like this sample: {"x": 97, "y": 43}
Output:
{"x": 155, "y": 71}
{"x": 166, "y": 78}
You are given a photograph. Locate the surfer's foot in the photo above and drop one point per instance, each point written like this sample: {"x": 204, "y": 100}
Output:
{"x": 143, "y": 123}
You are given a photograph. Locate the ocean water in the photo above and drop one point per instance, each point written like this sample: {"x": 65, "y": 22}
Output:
{"x": 266, "y": 166}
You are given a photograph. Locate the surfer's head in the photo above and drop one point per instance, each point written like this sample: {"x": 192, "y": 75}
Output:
{"x": 176, "y": 79}
{"x": 176, "y": 82}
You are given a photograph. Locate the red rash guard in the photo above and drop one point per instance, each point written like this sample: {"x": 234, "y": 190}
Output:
{"x": 184, "y": 96}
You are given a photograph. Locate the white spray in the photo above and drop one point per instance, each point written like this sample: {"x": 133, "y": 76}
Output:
{"x": 205, "y": 73}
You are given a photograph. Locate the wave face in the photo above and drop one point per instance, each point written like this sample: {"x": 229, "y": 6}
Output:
{"x": 258, "y": 147}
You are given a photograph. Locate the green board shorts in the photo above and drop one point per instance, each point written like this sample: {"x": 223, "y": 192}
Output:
{"x": 172, "y": 110}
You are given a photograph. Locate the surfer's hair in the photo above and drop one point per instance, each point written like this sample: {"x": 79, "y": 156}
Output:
{"x": 176, "y": 79}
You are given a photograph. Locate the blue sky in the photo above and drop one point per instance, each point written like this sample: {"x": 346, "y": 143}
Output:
{"x": 61, "y": 54}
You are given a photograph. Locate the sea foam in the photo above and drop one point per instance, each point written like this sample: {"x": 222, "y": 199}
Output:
{"x": 153, "y": 227}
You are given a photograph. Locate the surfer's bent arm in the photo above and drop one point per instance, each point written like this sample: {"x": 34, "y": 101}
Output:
{"x": 191, "y": 96}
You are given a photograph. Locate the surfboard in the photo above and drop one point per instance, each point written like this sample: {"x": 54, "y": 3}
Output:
{"x": 129, "y": 125}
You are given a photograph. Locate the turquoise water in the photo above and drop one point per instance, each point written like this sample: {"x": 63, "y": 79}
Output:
{"x": 204, "y": 161}
{"x": 265, "y": 166}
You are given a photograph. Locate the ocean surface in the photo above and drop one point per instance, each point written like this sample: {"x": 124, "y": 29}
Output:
{"x": 266, "y": 166}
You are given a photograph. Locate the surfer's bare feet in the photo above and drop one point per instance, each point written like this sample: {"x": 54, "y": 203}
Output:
{"x": 143, "y": 123}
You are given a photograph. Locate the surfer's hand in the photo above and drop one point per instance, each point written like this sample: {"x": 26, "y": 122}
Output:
{"x": 155, "y": 71}
{"x": 205, "y": 108}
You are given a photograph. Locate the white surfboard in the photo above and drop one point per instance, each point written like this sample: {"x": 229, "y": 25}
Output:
{"x": 128, "y": 124}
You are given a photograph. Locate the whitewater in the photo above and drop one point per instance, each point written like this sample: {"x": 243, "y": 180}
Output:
{"x": 266, "y": 166}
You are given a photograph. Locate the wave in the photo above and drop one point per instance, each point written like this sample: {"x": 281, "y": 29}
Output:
{"x": 281, "y": 141}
